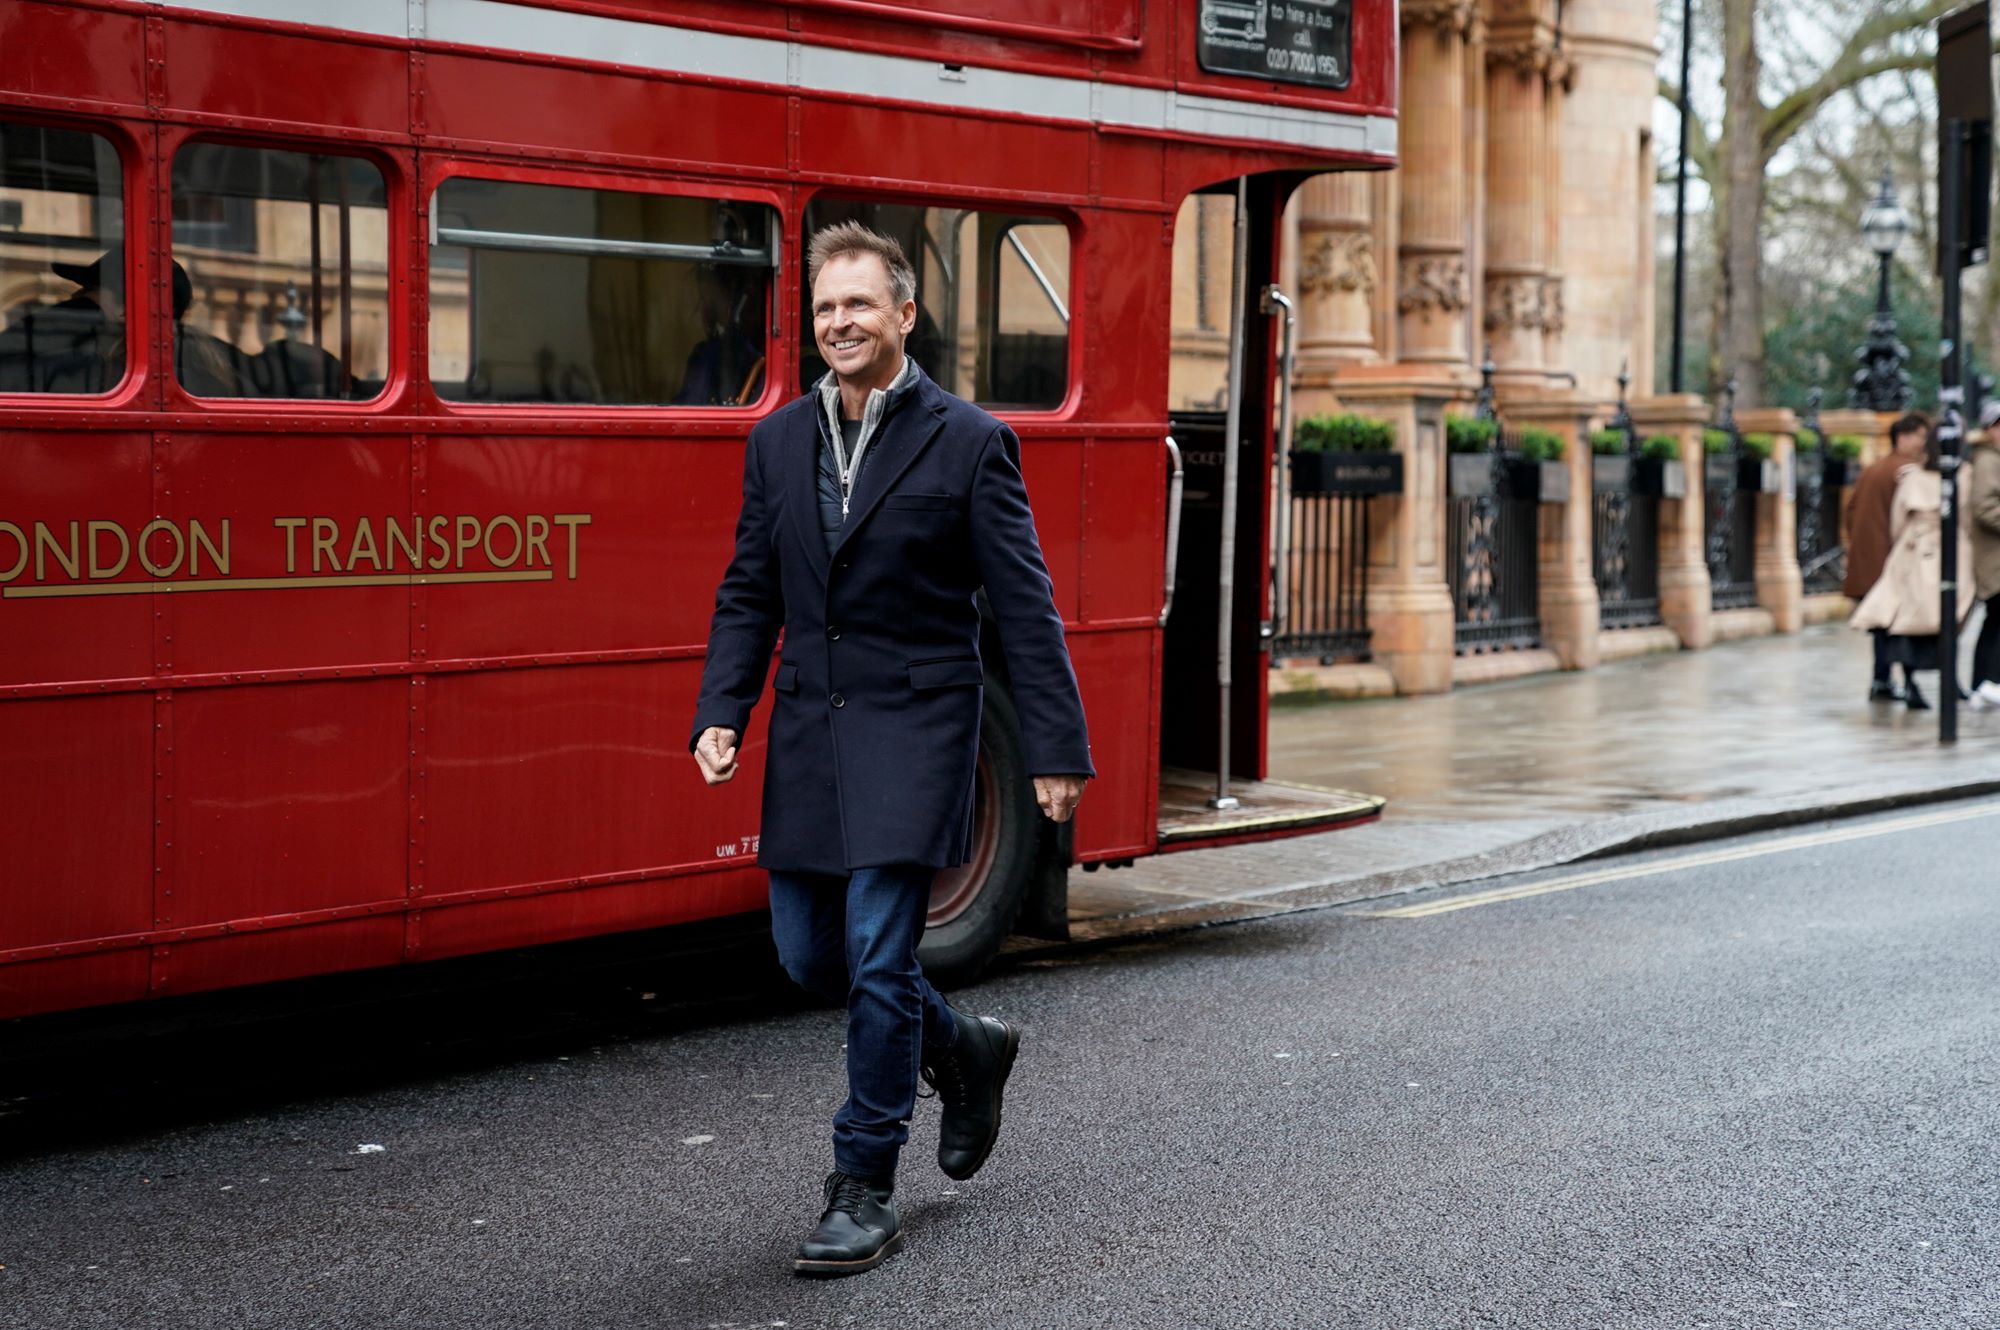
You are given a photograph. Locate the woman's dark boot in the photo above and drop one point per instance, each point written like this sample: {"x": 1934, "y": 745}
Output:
{"x": 969, "y": 1078}
{"x": 858, "y": 1230}
{"x": 1913, "y": 698}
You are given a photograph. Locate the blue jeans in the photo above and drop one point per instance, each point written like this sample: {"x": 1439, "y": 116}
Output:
{"x": 855, "y": 938}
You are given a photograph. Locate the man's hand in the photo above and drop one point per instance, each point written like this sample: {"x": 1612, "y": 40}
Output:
{"x": 716, "y": 752}
{"x": 1058, "y": 795}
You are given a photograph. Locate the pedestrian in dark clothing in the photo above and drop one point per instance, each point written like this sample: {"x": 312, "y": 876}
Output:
{"x": 1867, "y": 536}
{"x": 1982, "y": 513}
{"x": 875, "y": 507}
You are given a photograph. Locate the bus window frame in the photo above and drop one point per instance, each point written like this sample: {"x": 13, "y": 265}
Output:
{"x": 1017, "y": 211}
{"x": 136, "y": 204}
{"x": 397, "y": 192}
{"x": 782, "y": 350}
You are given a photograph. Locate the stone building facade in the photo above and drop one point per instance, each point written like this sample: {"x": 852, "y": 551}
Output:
{"x": 1519, "y": 225}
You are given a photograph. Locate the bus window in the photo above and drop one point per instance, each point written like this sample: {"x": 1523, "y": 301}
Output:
{"x": 62, "y": 261}
{"x": 992, "y": 299}
{"x": 281, "y": 273}
{"x": 597, "y": 297}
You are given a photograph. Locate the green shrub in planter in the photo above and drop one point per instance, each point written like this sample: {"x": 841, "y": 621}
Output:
{"x": 1759, "y": 446}
{"x": 1469, "y": 434}
{"x": 1540, "y": 445}
{"x": 1808, "y": 441}
{"x": 1607, "y": 442}
{"x": 1847, "y": 447}
{"x": 1344, "y": 433}
{"x": 1716, "y": 441}
{"x": 1661, "y": 448}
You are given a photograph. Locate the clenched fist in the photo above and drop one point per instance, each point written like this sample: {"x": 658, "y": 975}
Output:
{"x": 716, "y": 754}
{"x": 1058, "y": 795}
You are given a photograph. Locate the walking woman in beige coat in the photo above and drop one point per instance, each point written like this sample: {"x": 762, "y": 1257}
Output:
{"x": 1981, "y": 491}
{"x": 1905, "y": 600}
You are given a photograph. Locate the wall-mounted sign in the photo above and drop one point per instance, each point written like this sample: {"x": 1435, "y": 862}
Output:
{"x": 1293, "y": 41}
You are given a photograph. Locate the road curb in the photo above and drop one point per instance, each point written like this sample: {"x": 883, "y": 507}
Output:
{"x": 1576, "y": 844}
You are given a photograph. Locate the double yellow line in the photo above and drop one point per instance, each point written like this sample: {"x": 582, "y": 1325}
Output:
{"x": 1656, "y": 867}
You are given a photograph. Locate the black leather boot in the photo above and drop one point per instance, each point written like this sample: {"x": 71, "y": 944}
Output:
{"x": 858, "y": 1231}
{"x": 969, "y": 1078}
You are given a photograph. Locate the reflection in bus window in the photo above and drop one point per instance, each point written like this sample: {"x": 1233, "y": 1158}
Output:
{"x": 992, "y": 299}
{"x": 544, "y": 293}
{"x": 62, "y": 262}
{"x": 285, "y": 259}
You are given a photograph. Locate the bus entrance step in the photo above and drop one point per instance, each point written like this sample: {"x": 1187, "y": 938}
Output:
{"x": 1265, "y": 810}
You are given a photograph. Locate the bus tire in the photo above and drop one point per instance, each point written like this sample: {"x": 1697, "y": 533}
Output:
{"x": 973, "y": 907}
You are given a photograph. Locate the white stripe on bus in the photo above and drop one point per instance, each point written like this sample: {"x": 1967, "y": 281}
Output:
{"x": 665, "y": 48}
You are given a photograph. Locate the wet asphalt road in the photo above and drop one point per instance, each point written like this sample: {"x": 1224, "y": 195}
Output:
{"x": 1753, "y": 1093}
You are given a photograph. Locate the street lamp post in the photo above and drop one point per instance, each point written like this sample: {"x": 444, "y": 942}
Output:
{"x": 1881, "y": 383}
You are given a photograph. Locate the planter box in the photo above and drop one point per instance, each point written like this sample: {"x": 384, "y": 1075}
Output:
{"x": 1842, "y": 471}
{"x": 1346, "y": 473}
{"x": 1660, "y": 478}
{"x": 1759, "y": 475}
{"x": 1610, "y": 473}
{"x": 1544, "y": 482}
{"x": 1469, "y": 475}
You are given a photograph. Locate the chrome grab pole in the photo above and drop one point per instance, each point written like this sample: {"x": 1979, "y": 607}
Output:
{"x": 1174, "y": 483}
{"x": 1225, "y": 625}
{"x": 1277, "y": 302}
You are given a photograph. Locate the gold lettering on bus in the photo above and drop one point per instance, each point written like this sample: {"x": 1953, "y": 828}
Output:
{"x": 97, "y": 556}
{"x": 153, "y": 528}
{"x": 98, "y": 570}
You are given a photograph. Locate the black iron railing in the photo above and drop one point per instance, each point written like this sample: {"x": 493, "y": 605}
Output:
{"x": 1624, "y": 533}
{"x": 1822, "y": 558}
{"x": 1729, "y": 515}
{"x": 1492, "y": 557}
{"x": 1329, "y": 586}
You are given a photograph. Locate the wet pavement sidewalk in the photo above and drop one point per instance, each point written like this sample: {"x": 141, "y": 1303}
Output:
{"x": 1540, "y": 771}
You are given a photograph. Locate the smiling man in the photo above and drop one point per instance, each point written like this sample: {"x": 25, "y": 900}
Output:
{"x": 875, "y": 508}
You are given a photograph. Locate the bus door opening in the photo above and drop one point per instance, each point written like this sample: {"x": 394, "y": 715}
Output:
{"x": 1215, "y": 684}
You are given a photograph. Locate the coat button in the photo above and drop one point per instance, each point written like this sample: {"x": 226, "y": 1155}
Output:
{"x": 832, "y": 633}
{"x": 838, "y": 701}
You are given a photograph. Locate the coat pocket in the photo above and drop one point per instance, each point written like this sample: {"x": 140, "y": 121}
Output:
{"x": 960, "y": 672}
{"x": 787, "y": 679}
{"x": 930, "y": 502}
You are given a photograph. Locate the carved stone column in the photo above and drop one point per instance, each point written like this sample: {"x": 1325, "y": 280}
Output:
{"x": 1431, "y": 281}
{"x": 1780, "y": 585}
{"x": 1336, "y": 276}
{"x": 1687, "y": 604}
{"x": 1561, "y": 78}
{"x": 1519, "y": 53}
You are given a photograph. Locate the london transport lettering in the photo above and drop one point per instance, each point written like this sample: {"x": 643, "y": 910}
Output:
{"x": 40, "y": 560}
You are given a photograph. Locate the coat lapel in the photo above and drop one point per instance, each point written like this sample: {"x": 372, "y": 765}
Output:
{"x": 903, "y": 440}
{"x": 801, "y": 465}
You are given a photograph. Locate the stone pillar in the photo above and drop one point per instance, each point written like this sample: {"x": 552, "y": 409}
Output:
{"x": 1686, "y": 598}
{"x": 1561, "y": 77}
{"x": 1780, "y": 586}
{"x": 1518, "y": 55}
{"x": 1336, "y": 283}
{"x": 1568, "y": 585}
{"x": 1431, "y": 283}
{"x": 1409, "y": 602}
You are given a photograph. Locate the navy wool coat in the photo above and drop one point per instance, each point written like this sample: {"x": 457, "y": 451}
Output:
{"x": 875, "y": 727}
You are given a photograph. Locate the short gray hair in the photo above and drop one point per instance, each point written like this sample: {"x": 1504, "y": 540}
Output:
{"x": 844, "y": 238}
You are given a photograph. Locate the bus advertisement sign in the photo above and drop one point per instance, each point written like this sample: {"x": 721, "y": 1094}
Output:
{"x": 1292, "y": 41}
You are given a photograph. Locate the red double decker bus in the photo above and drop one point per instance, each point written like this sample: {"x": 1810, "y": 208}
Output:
{"x": 374, "y": 381}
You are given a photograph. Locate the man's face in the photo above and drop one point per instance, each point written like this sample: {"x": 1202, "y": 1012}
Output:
{"x": 1909, "y": 441}
{"x": 857, "y": 323}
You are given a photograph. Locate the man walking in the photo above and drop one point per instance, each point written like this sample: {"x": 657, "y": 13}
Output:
{"x": 1867, "y": 534}
{"x": 874, "y": 508}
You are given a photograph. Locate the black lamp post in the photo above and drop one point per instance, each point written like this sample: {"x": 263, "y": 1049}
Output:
{"x": 1881, "y": 383}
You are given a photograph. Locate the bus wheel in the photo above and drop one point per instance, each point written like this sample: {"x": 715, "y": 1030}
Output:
{"x": 973, "y": 906}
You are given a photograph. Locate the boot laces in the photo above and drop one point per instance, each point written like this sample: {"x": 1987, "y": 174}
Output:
{"x": 846, "y": 1192}
{"x": 946, "y": 1077}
